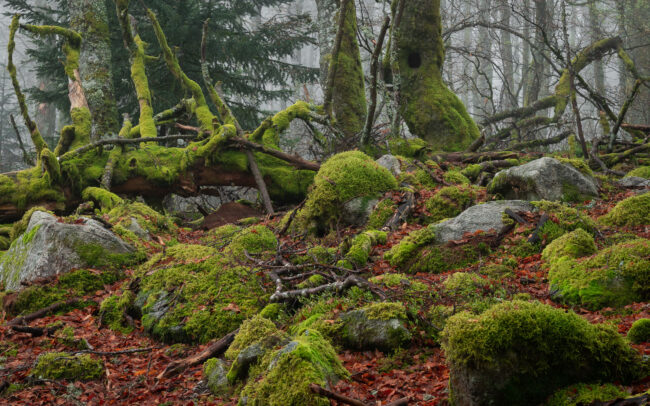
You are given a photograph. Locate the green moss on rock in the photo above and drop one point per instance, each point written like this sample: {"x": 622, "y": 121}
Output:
{"x": 585, "y": 394}
{"x": 343, "y": 177}
{"x": 639, "y": 332}
{"x": 60, "y": 365}
{"x": 449, "y": 202}
{"x": 615, "y": 276}
{"x": 252, "y": 331}
{"x": 633, "y": 211}
{"x": 382, "y": 212}
{"x": 113, "y": 310}
{"x": 575, "y": 244}
{"x": 285, "y": 375}
{"x": 518, "y": 353}
{"x": 641, "y": 172}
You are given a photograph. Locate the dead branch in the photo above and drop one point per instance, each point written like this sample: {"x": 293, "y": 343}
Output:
{"x": 110, "y": 353}
{"x": 622, "y": 114}
{"x": 42, "y": 312}
{"x": 292, "y": 216}
{"x": 26, "y": 158}
{"x": 122, "y": 141}
{"x": 259, "y": 180}
{"x": 36, "y": 331}
{"x": 215, "y": 349}
{"x": 294, "y": 160}
{"x": 402, "y": 213}
{"x": 534, "y": 237}
{"x": 337, "y": 286}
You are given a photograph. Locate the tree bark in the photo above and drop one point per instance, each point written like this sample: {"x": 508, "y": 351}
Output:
{"x": 430, "y": 109}
{"x": 89, "y": 18}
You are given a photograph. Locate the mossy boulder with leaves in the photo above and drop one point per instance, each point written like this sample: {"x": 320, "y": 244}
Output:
{"x": 342, "y": 178}
{"x": 518, "y": 353}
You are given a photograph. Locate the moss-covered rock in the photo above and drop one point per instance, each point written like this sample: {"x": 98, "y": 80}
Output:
{"x": 633, "y": 211}
{"x": 342, "y": 178}
{"x": 562, "y": 218}
{"x": 518, "y": 353}
{"x": 214, "y": 372}
{"x": 449, "y": 202}
{"x": 362, "y": 245}
{"x": 194, "y": 293}
{"x": 640, "y": 172}
{"x": 585, "y": 394}
{"x": 382, "y": 212}
{"x": 575, "y": 244}
{"x": 615, "y": 276}
{"x": 60, "y": 365}
{"x": 283, "y": 377}
{"x": 376, "y": 326}
{"x": 114, "y": 309}
{"x": 464, "y": 285}
{"x": 640, "y": 331}
{"x": 252, "y": 331}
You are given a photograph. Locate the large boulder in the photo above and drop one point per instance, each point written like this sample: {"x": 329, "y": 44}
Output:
{"x": 544, "y": 179}
{"x": 49, "y": 247}
{"x": 519, "y": 353}
{"x": 487, "y": 216}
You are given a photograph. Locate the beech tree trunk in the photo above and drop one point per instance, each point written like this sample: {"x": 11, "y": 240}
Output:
{"x": 430, "y": 109}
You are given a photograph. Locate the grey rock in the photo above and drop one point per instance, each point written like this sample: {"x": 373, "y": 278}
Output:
{"x": 137, "y": 229}
{"x": 634, "y": 182}
{"x": 49, "y": 248}
{"x": 357, "y": 211}
{"x": 391, "y": 163}
{"x": 216, "y": 377}
{"x": 245, "y": 359}
{"x": 544, "y": 179}
{"x": 487, "y": 216}
{"x": 363, "y": 333}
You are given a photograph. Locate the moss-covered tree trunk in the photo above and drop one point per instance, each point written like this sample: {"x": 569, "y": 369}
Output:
{"x": 345, "y": 95}
{"x": 89, "y": 18}
{"x": 429, "y": 108}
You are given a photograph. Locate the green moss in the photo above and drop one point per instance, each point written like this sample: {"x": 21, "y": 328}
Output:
{"x": 456, "y": 177}
{"x": 385, "y": 311}
{"x": 285, "y": 375}
{"x": 343, "y": 177}
{"x": 562, "y": 219}
{"x": 639, "y": 332}
{"x": 96, "y": 256}
{"x": 273, "y": 311}
{"x": 362, "y": 245}
{"x": 70, "y": 285}
{"x": 449, "y": 202}
{"x": 472, "y": 171}
{"x": 575, "y": 244}
{"x": 60, "y": 365}
{"x": 348, "y": 93}
{"x": 113, "y": 310}
{"x": 194, "y": 294}
{"x": 641, "y": 172}
{"x": 578, "y": 164}
{"x": 615, "y": 276}
{"x": 382, "y": 212}
{"x": 633, "y": 211}
{"x": 465, "y": 285}
{"x": 497, "y": 271}
{"x": 252, "y": 331}
{"x": 540, "y": 347}
{"x": 402, "y": 253}
{"x": 585, "y": 394}
{"x": 410, "y": 148}
{"x": 254, "y": 240}
{"x": 103, "y": 197}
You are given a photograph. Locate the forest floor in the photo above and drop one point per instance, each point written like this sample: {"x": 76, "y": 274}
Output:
{"x": 418, "y": 372}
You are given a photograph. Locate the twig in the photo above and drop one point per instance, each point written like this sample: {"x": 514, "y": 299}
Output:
{"x": 534, "y": 238}
{"x": 291, "y": 217}
{"x": 123, "y": 141}
{"x": 338, "y": 286}
{"x": 36, "y": 331}
{"x": 107, "y": 353}
{"x": 402, "y": 213}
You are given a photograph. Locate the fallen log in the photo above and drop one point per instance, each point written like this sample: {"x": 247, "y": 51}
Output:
{"x": 42, "y": 312}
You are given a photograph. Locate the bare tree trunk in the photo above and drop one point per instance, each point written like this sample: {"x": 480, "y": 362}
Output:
{"x": 483, "y": 96}
{"x": 536, "y": 79}
{"x": 596, "y": 33}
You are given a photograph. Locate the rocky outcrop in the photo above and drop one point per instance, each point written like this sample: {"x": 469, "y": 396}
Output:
{"x": 544, "y": 179}
{"x": 49, "y": 247}
{"x": 379, "y": 326}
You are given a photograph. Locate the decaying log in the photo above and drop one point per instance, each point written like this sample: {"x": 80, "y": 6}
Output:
{"x": 319, "y": 390}
{"x": 41, "y": 313}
